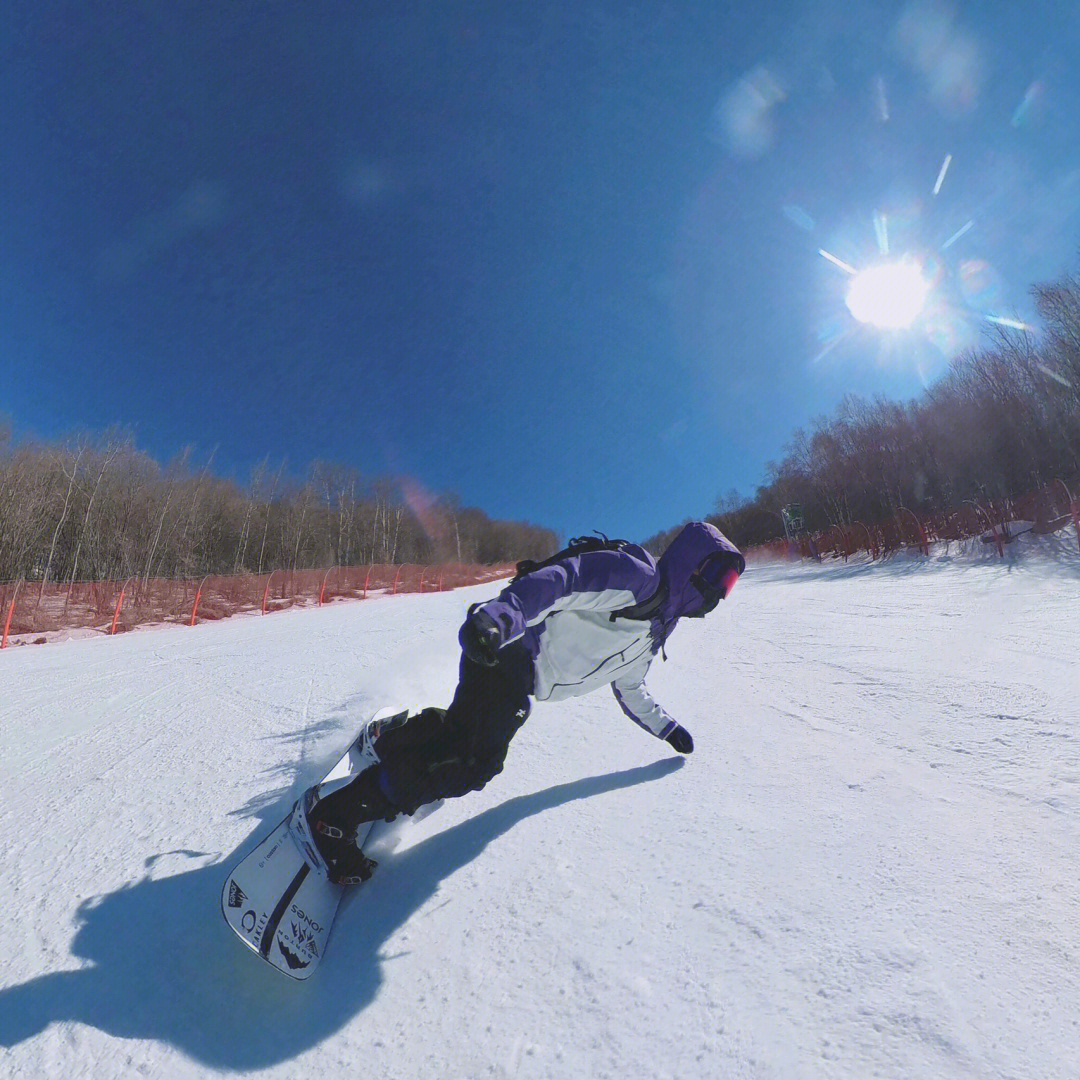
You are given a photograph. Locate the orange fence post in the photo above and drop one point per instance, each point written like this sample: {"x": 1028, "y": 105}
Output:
{"x": 7, "y": 621}
{"x": 198, "y": 597}
{"x": 979, "y": 512}
{"x": 322, "y": 587}
{"x": 266, "y": 591}
{"x": 924, "y": 543}
{"x": 871, "y": 547}
{"x": 1074, "y": 508}
{"x": 367, "y": 579}
{"x": 1069, "y": 505}
{"x": 119, "y": 604}
{"x": 397, "y": 578}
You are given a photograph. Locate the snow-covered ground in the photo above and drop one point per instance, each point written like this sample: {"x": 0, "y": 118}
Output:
{"x": 869, "y": 867}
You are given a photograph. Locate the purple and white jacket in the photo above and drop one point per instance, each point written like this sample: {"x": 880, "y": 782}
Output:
{"x": 563, "y": 615}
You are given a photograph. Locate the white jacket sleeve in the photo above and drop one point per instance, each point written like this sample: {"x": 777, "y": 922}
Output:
{"x": 639, "y": 705}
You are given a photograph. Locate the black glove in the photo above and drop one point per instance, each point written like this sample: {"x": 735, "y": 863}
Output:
{"x": 680, "y": 740}
{"x": 480, "y": 638}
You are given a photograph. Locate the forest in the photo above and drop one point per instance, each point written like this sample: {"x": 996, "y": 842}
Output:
{"x": 92, "y": 508}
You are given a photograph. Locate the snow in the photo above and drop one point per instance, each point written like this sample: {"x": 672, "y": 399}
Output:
{"x": 867, "y": 868}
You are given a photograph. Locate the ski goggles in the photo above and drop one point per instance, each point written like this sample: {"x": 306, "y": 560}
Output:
{"x": 716, "y": 577}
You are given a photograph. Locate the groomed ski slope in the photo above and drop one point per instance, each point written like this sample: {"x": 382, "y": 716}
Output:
{"x": 868, "y": 868}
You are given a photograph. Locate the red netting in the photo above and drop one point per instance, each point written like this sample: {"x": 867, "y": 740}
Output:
{"x": 1047, "y": 510}
{"x": 31, "y": 611}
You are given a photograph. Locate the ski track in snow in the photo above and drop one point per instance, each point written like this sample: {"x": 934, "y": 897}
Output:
{"x": 868, "y": 868}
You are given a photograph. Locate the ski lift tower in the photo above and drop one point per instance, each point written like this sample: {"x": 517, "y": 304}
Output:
{"x": 794, "y": 527}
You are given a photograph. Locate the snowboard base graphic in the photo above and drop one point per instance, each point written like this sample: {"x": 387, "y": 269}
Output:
{"x": 274, "y": 901}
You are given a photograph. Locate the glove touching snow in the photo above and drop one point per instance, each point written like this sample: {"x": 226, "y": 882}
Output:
{"x": 680, "y": 740}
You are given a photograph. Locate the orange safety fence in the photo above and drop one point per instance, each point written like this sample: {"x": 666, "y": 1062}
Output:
{"x": 1047, "y": 510}
{"x": 33, "y": 611}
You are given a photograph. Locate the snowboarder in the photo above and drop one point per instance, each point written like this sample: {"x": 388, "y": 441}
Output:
{"x": 581, "y": 621}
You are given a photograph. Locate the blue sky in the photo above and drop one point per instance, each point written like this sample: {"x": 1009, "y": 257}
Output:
{"x": 560, "y": 258}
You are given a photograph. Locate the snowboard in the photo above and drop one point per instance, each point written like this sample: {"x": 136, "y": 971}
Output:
{"x": 274, "y": 900}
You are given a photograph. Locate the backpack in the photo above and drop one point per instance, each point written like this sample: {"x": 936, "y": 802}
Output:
{"x": 577, "y": 545}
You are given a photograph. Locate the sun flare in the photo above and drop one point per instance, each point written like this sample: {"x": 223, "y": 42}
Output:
{"x": 890, "y": 295}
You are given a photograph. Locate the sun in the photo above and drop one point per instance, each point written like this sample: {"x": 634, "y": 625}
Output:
{"x": 890, "y": 295}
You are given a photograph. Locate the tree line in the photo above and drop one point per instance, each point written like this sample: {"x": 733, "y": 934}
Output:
{"x": 1004, "y": 421}
{"x": 95, "y": 507}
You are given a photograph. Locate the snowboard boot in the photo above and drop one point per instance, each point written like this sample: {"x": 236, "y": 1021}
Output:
{"x": 346, "y": 864}
{"x": 328, "y": 817}
{"x": 326, "y": 831}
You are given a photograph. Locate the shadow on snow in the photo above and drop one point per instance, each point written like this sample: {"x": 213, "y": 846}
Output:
{"x": 164, "y": 965}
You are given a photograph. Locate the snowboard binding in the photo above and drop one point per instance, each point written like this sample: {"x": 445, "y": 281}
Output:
{"x": 346, "y": 863}
{"x": 330, "y": 848}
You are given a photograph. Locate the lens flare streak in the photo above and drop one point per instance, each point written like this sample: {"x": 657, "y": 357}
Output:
{"x": 830, "y": 345}
{"x": 798, "y": 216}
{"x": 846, "y": 267}
{"x": 1054, "y": 375}
{"x": 1012, "y": 324}
{"x": 882, "y": 100}
{"x": 941, "y": 175}
{"x": 963, "y": 230}
{"x": 1034, "y": 92}
{"x": 881, "y": 230}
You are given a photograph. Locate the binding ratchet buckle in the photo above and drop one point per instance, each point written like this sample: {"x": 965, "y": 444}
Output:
{"x": 363, "y": 872}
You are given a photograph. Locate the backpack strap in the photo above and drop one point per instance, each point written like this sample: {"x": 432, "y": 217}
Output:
{"x": 646, "y": 609}
{"x": 577, "y": 546}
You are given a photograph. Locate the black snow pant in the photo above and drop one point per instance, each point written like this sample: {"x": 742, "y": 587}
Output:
{"x": 438, "y": 754}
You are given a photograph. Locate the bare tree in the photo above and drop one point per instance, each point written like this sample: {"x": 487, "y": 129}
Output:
{"x": 111, "y": 449}
{"x": 63, "y": 514}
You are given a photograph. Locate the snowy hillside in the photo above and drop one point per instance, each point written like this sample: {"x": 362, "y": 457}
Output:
{"x": 868, "y": 868}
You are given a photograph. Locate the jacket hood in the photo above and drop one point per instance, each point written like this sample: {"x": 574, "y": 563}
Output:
{"x": 694, "y": 544}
